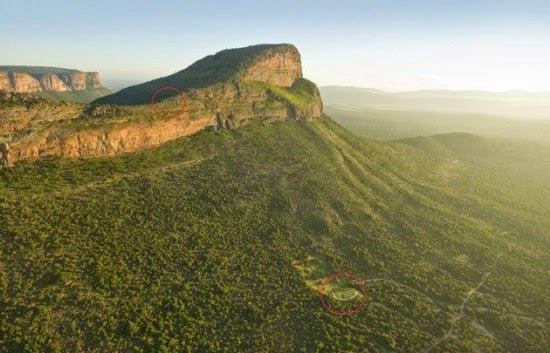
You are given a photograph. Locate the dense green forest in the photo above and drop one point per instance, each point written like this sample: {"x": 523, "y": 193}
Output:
{"x": 218, "y": 243}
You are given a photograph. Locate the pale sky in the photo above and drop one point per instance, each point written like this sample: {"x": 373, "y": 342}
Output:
{"x": 388, "y": 44}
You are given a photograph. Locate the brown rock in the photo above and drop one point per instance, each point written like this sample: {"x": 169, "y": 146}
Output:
{"x": 92, "y": 80}
{"x": 48, "y": 82}
{"x": 76, "y": 81}
{"x": 24, "y": 83}
{"x": 281, "y": 68}
{"x": 52, "y": 83}
{"x": 108, "y": 142}
{"x": 107, "y": 130}
{"x": 226, "y": 106}
{"x": 5, "y": 83}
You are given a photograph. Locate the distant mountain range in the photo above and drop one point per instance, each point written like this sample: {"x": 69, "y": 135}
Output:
{"x": 514, "y": 103}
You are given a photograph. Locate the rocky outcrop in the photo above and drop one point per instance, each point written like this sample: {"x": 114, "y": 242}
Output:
{"x": 276, "y": 64}
{"x": 106, "y": 142}
{"x": 52, "y": 83}
{"x": 268, "y": 86}
{"x": 21, "y": 82}
{"x": 227, "y": 106}
{"x": 4, "y": 80}
{"x": 278, "y": 67}
{"x": 34, "y": 81}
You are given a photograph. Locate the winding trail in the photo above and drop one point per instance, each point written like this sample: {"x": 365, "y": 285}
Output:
{"x": 457, "y": 317}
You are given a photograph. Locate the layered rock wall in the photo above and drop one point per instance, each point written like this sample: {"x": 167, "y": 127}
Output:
{"x": 281, "y": 68}
{"x": 228, "y": 106}
{"x": 48, "y": 82}
{"x": 268, "y": 86}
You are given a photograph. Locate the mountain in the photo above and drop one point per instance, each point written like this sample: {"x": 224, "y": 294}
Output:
{"x": 219, "y": 242}
{"x": 236, "y": 237}
{"x": 52, "y": 82}
{"x": 275, "y": 64}
{"x": 223, "y": 91}
{"x": 511, "y": 104}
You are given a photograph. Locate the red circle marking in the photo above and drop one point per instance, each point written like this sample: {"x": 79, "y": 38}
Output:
{"x": 354, "y": 277}
{"x": 157, "y": 112}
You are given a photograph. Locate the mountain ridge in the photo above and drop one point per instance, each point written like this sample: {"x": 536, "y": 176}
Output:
{"x": 278, "y": 64}
{"x": 52, "y": 82}
{"x": 263, "y": 83}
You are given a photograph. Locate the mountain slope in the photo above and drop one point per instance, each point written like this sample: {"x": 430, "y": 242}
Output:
{"x": 520, "y": 157}
{"x": 211, "y": 243}
{"x": 276, "y": 64}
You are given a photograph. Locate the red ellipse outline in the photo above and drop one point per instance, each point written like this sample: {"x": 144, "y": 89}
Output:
{"x": 346, "y": 275}
{"x": 155, "y": 110}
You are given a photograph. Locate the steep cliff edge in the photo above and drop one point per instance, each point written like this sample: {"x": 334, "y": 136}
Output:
{"x": 52, "y": 82}
{"x": 223, "y": 91}
{"x": 276, "y": 64}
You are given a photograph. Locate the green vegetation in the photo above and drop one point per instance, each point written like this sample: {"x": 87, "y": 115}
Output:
{"x": 300, "y": 94}
{"x": 343, "y": 295}
{"x": 314, "y": 269}
{"x": 28, "y": 101}
{"x": 396, "y": 124}
{"x": 31, "y": 116}
{"x": 84, "y": 96}
{"x": 224, "y": 66}
{"x": 214, "y": 243}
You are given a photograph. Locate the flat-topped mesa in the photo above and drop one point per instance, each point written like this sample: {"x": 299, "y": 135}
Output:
{"x": 223, "y": 91}
{"x": 27, "y": 79}
{"x": 276, "y": 64}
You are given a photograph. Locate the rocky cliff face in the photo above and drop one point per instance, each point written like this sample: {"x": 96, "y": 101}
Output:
{"x": 97, "y": 142}
{"x": 106, "y": 130}
{"x": 279, "y": 67}
{"x": 34, "y": 82}
{"x": 276, "y": 64}
{"x": 268, "y": 86}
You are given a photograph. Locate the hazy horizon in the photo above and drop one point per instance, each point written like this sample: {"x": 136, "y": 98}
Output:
{"x": 389, "y": 90}
{"x": 118, "y": 84}
{"x": 390, "y": 45}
